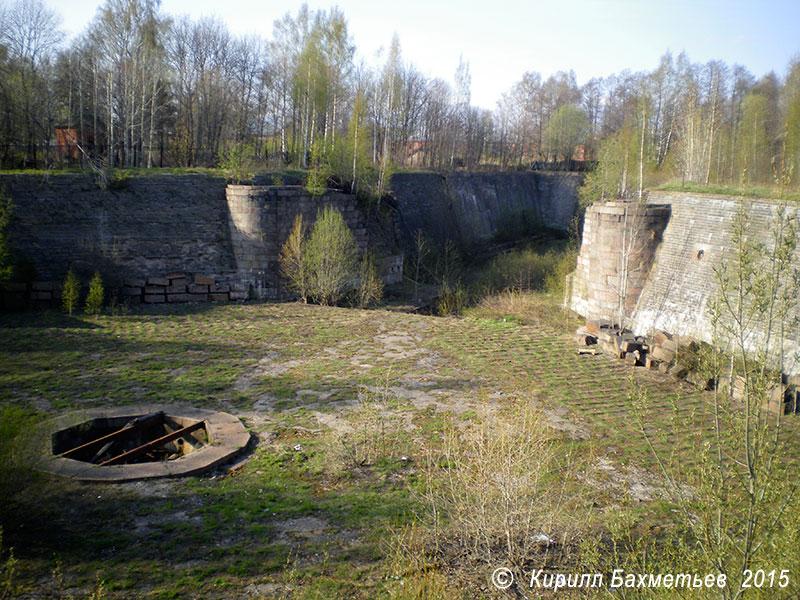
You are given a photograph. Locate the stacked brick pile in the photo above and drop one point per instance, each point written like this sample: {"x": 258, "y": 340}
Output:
{"x": 677, "y": 356}
{"x": 179, "y": 286}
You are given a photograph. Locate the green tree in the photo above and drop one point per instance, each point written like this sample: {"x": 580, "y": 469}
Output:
{"x": 616, "y": 163}
{"x": 567, "y": 129}
{"x": 330, "y": 257}
{"x": 293, "y": 264}
{"x": 753, "y": 148}
{"x": 94, "y": 299}
{"x": 317, "y": 178}
{"x": 70, "y": 292}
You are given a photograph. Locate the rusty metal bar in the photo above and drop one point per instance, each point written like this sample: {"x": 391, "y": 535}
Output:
{"x": 154, "y": 444}
{"x": 137, "y": 423}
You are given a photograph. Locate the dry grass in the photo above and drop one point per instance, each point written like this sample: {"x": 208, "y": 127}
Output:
{"x": 497, "y": 490}
{"x": 537, "y": 309}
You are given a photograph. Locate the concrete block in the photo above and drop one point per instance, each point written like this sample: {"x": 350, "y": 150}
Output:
{"x": 154, "y": 298}
{"x": 216, "y": 297}
{"x": 197, "y": 289}
{"x": 204, "y": 281}
{"x": 155, "y": 289}
{"x": 176, "y": 289}
{"x": 158, "y": 281}
{"x": 198, "y": 297}
{"x": 222, "y": 288}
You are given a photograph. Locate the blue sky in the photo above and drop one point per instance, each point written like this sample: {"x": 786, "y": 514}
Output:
{"x": 502, "y": 39}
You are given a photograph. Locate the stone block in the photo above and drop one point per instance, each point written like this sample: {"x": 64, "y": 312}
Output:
{"x": 630, "y": 345}
{"x": 217, "y": 297}
{"x": 155, "y": 289}
{"x": 178, "y": 297}
{"x": 678, "y": 371}
{"x": 178, "y": 282}
{"x": 595, "y": 325}
{"x": 15, "y": 287}
{"x": 140, "y": 283}
{"x": 154, "y": 298}
{"x": 222, "y": 288}
{"x": 234, "y": 295}
{"x": 197, "y": 289}
{"x": 662, "y": 354}
{"x": 198, "y": 297}
{"x": 204, "y": 281}
{"x": 158, "y": 281}
{"x": 175, "y": 275}
{"x": 659, "y": 337}
{"x": 176, "y": 289}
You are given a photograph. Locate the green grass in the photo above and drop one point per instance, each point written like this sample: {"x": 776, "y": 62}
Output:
{"x": 747, "y": 191}
{"x": 223, "y": 533}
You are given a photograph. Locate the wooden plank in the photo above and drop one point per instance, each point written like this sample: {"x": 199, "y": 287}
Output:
{"x": 130, "y": 454}
{"x": 138, "y": 423}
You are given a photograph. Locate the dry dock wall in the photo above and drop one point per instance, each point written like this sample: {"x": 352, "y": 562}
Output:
{"x": 681, "y": 281}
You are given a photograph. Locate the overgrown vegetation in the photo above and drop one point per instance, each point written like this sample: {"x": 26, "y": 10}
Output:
{"x": 6, "y": 212}
{"x": 70, "y": 292}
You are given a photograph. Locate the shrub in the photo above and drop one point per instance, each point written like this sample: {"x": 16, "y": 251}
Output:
{"x": 293, "y": 266}
{"x": 330, "y": 257}
{"x": 94, "y": 300}
{"x": 71, "y": 292}
{"x": 370, "y": 287}
{"x": 237, "y": 161}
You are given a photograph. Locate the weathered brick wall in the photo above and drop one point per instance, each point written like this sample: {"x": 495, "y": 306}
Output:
{"x": 147, "y": 225}
{"x": 474, "y": 207}
{"x": 261, "y": 218}
{"x": 681, "y": 283}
